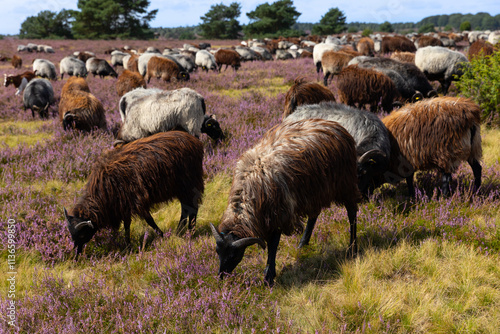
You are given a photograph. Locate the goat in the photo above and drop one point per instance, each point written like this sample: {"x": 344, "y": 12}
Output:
{"x": 303, "y": 92}
{"x": 434, "y": 133}
{"x": 127, "y": 181}
{"x": 295, "y": 170}
{"x": 19, "y": 81}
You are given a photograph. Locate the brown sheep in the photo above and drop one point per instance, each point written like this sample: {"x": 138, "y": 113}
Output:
{"x": 128, "y": 81}
{"x": 366, "y": 46}
{"x": 303, "y": 92}
{"x": 396, "y": 43}
{"x": 129, "y": 180}
{"x": 366, "y": 86}
{"x": 17, "y": 62}
{"x": 82, "y": 111}
{"x": 19, "y": 81}
{"x": 133, "y": 63}
{"x": 333, "y": 62}
{"x": 436, "y": 133}
{"x": 297, "y": 169}
{"x": 228, "y": 58}
{"x": 423, "y": 41}
{"x": 480, "y": 47}
{"x": 406, "y": 57}
{"x": 159, "y": 67}
{"x": 306, "y": 54}
{"x": 75, "y": 83}
{"x": 84, "y": 56}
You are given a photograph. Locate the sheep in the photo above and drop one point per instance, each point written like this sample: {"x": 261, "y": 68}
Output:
{"x": 80, "y": 110}
{"x": 373, "y": 148}
{"x": 306, "y": 54}
{"x": 366, "y": 47}
{"x": 442, "y": 64}
{"x": 424, "y": 41}
{"x": 228, "y": 58}
{"x": 117, "y": 58}
{"x": 75, "y": 83}
{"x": 405, "y": 57}
{"x": 303, "y": 92}
{"x": 263, "y": 52}
{"x": 205, "y": 60}
{"x": 16, "y": 61}
{"x": 480, "y": 47}
{"x": 128, "y": 81}
{"x": 318, "y": 51}
{"x": 84, "y": 56}
{"x": 45, "y": 69}
{"x": 22, "y": 48}
{"x": 132, "y": 64}
{"x": 100, "y": 67}
{"x": 333, "y": 62}
{"x": 434, "y": 133}
{"x": 128, "y": 98}
{"x": 295, "y": 170}
{"x": 19, "y": 81}
{"x": 46, "y": 49}
{"x": 184, "y": 62}
{"x": 72, "y": 66}
{"x": 129, "y": 180}
{"x": 38, "y": 96}
{"x": 247, "y": 54}
{"x": 142, "y": 62}
{"x": 396, "y": 43}
{"x": 411, "y": 83}
{"x": 365, "y": 86}
{"x": 284, "y": 54}
{"x": 165, "y": 69}
{"x": 182, "y": 109}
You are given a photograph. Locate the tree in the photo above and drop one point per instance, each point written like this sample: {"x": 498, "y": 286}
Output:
{"x": 220, "y": 21}
{"x": 333, "y": 22}
{"x": 48, "y": 24}
{"x": 272, "y": 19}
{"x": 386, "y": 27}
{"x": 429, "y": 27}
{"x": 465, "y": 26}
{"x": 113, "y": 19}
{"x": 367, "y": 32}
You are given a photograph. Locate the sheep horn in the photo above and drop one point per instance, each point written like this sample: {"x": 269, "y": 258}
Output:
{"x": 374, "y": 156}
{"x": 432, "y": 93}
{"x": 417, "y": 97}
{"x": 216, "y": 234}
{"x": 245, "y": 242}
{"x": 66, "y": 214}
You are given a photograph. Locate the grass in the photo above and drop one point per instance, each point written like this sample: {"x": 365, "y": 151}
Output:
{"x": 13, "y": 134}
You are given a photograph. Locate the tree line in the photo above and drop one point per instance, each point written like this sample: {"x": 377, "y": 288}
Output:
{"x": 130, "y": 19}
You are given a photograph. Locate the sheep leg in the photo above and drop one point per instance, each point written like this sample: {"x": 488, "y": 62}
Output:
{"x": 188, "y": 214}
{"x": 126, "y": 224}
{"x": 272, "y": 244}
{"x": 311, "y": 222}
{"x": 476, "y": 169}
{"x": 409, "y": 183}
{"x": 152, "y": 223}
{"x": 445, "y": 186}
{"x": 325, "y": 79}
{"x": 352, "y": 210}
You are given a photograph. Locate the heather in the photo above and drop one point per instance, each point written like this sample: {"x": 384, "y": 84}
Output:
{"x": 429, "y": 264}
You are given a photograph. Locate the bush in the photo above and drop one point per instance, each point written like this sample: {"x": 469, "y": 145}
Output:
{"x": 465, "y": 26}
{"x": 429, "y": 27}
{"x": 481, "y": 83}
{"x": 367, "y": 32}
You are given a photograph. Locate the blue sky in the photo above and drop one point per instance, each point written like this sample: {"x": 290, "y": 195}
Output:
{"x": 176, "y": 13}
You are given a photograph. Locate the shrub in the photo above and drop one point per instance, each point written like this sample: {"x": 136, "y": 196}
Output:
{"x": 481, "y": 82}
{"x": 429, "y": 27}
{"x": 367, "y": 32}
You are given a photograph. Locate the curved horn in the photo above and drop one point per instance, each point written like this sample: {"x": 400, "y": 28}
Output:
{"x": 417, "y": 96}
{"x": 371, "y": 154}
{"x": 376, "y": 158}
{"x": 432, "y": 93}
{"x": 216, "y": 234}
{"x": 245, "y": 242}
{"x": 87, "y": 222}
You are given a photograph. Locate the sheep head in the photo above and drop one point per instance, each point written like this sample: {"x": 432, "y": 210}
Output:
{"x": 212, "y": 128}
{"x": 81, "y": 230}
{"x": 231, "y": 249}
{"x": 371, "y": 166}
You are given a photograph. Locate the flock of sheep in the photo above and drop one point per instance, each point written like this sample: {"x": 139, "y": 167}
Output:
{"x": 323, "y": 152}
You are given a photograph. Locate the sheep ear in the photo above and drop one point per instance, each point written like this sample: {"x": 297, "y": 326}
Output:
{"x": 245, "y": 242}
{"x": 216, "y": 234}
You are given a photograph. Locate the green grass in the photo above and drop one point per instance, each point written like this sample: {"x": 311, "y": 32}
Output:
{"x": 15, "y": 133}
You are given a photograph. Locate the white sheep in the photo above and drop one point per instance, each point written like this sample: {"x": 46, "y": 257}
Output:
{"x": 45, "y": 69}
{"x": 205, "y": 60}
{"x": 318, "y": 51}
{"x": 72, "y": 66}
{"x": 143, "y": 62}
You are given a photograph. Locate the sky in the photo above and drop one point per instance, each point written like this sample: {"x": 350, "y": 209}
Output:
{"x": 181, "y": 13}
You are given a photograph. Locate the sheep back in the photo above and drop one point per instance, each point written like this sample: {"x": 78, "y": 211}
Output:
{"x": 75, "y": 83}
{"x": 303, "y": 92}
{"x": 128, "y": 81}
{"x": 81, "y": 110}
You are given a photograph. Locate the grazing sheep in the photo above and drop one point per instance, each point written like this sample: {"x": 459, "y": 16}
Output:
{"x": 72, "y": 66}
{"x": 19, "y": 81}
{"x": 128, "y": 98}
{"x": 480, "y": 47}
{"x": 84, "y": 56}
{"x": 295, "y": 170}
{"x": 306, "y": 54}
{"x": 442, "y": 64}
{"x": 22, "y": 48}
{"x": 366, "y": 46}
{"x": 424, "y": 41}
{"x": 38, "y": 96}
{"x": 405, "y": 57}
{"x": 132, "y": 64}
{"x": 284, "y": 54}
{"x": 396, "y": 43}
{"x": 117, "y": 58}
{"x": 129, "y": 180}
{"x": 247, "y": 54}
{"x": 436, "y": 133}
{"x": 100, "y": 67}
{"x": 45, "y": 69}
{"x": 318, "y": 51}
{"x": 409, "y": 80}
{"x": 142, "y": 62}
{"x": 264, "y": 53}
{"x": 184, "y": 62}
{"x": 75, "y": 83}
{"x": 373, "y": 148}
{"x": 303, "y": 92}
{"x": 333, "y": 62}
{"x": 80, "y": 110}
{"x": 228, "y": 58}
{"x": 205, "y": 60}
{"x": 128, "y": 81}
{"x": 181, "y": 109}
{"x": 365, "y": 86}
{"x": 17, "y": 62}
{"x": 164, "y": 69}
